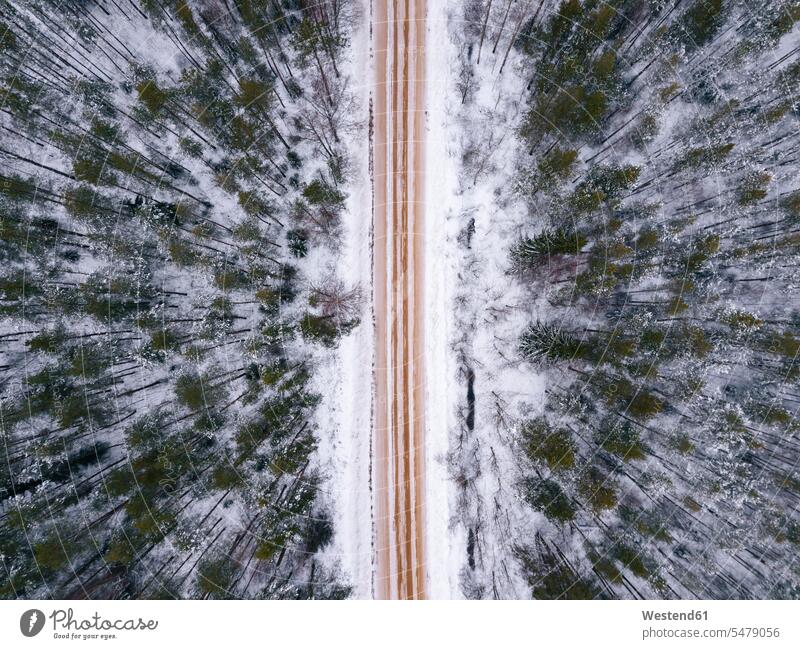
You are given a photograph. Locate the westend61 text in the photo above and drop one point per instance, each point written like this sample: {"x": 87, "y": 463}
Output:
{"x": 673, "y": 615}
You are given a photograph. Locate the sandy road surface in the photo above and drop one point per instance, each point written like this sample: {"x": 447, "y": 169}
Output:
{"x": 398, "y": 138}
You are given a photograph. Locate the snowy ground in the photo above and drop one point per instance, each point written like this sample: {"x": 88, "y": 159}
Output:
{"x": 347, "y": 452}
{"x": 469, "y": 314}
{"x": 345, "y": 415}
{"x": 445, "y": 542}
{"x": 475, "y": 316}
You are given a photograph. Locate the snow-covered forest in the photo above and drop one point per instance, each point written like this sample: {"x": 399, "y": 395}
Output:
{"x": 174, "y": 178}
{"x": 193, "y": 330}
{"x": 626, "y": 329}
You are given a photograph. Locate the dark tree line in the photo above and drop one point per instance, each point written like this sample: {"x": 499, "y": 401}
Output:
{"x": 164, "y": 179}
{"x": 659, "y": 160}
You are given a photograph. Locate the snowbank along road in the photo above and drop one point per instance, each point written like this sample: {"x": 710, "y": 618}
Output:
{"x": 398, "y": 148}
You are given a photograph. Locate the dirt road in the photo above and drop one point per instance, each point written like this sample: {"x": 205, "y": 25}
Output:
{"x": 398, "y": 158}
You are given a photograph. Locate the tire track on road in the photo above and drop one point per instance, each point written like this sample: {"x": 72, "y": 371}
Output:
{"x": 398, "y": 147}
